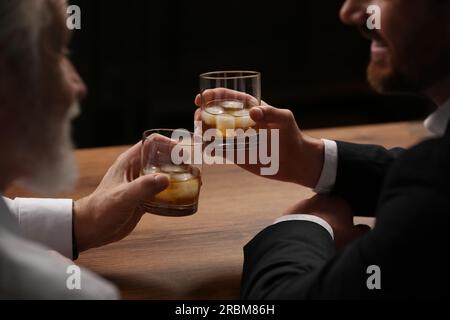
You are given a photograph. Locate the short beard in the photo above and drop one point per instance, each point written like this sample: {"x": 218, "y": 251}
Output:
{"x": 51, "y": 165}
{"x": 387, "y": 79}
{"x": 401, "y": 74}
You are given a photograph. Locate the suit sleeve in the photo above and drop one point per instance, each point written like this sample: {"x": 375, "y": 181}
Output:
{"x": 361, "y": 172}
{"x": 297, "y": 260}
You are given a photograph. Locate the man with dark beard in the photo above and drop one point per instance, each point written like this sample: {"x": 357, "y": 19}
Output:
{"x": 314, "y": 250}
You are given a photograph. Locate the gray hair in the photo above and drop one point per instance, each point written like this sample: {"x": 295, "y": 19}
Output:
{"x": 21, "y": 24}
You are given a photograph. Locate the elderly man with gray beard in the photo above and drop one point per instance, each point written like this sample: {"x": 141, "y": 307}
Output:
{"x": 39, "y": 94}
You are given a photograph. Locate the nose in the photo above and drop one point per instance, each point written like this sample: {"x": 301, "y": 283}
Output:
{"x": 80, "y": 86}
{"x": 77, "y": 82}
{"x": 354, "y": 12}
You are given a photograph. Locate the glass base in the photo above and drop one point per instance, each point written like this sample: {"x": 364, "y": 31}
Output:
{"x": 170, "y": 210}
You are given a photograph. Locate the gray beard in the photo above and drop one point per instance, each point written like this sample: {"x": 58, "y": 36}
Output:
{"x": 53, "y": 167}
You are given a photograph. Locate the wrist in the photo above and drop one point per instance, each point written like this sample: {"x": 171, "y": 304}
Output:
{"x": 311, "y": 161}
{"x": 75, "y": 251}
{"x": 80, "y": 224}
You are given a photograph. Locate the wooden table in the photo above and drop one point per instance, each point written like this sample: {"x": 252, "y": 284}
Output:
{"x": 200, "y": 257}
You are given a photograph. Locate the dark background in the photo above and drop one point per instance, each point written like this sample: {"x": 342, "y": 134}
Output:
{"x": 141, "y": 60}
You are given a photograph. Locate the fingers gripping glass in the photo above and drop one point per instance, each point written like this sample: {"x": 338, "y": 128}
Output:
{"x": 171, "y": 152}
{"x": 226, "y": 99}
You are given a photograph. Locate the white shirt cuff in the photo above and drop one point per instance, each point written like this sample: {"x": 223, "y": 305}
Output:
{"x": 329, "y": 171}
{"x": 47, "y": 221}
{"x": 307, "y": 217}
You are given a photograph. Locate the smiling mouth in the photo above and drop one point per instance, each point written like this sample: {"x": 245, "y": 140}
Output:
{"x": 378, "y": 46}
{"x": 373, "y": 35}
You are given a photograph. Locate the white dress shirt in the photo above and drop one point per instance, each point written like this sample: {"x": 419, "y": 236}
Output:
{"x": 436, "y": 124}
{"x": 29, "y": 270}
{"x": 46, "y": 221}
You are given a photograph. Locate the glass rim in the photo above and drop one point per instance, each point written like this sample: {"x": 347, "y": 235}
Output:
{"x": 147, "y": 133}
{"x": 166, "y": 130}
{"x": 245, "y": 74}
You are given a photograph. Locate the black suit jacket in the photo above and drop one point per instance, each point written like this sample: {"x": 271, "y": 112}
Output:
{"x": 407, "y": 190}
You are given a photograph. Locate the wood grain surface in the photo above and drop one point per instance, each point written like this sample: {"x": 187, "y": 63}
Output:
{"x": 200, "y": 257}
